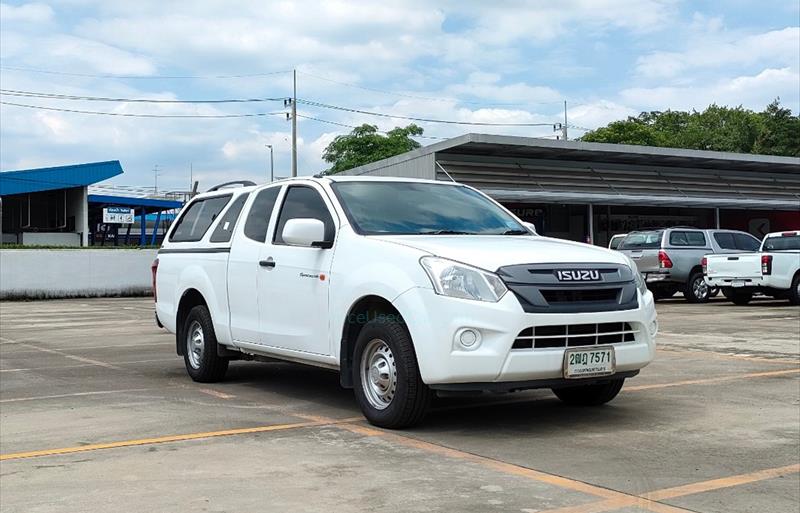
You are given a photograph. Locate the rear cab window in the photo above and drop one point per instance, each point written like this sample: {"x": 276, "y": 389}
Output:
{"x": 198, "y": 216}
{"x": 257, "y": 223}
{"x": 783, "y": 242}
{"x": 746, "y": 242}
{"x": 687, "y": 238}
{"x": 642, "y": 240}
{"x": 225, "y": 226}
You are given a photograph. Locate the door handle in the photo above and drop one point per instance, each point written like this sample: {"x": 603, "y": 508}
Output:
{"x": 270, "y": 263}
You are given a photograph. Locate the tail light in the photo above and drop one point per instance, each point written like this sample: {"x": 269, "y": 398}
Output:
{"x": 704, "y": 263}
{"x": 154, "y": 269}
{"x": 663, "y": 260}
{"x": 766, "y": 265}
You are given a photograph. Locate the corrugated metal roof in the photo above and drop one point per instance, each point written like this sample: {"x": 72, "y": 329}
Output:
{"x": 60, "y": 177}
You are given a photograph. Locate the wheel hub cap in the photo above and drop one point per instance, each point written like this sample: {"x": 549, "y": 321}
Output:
{"x": 700, "y": 288}
{"x": 378, "y": 374}
{"x": 195, "y": 344}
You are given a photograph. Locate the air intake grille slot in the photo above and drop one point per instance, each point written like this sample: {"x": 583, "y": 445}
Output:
{"x": 574, "y": 335}
{"x": 580, "y": 295}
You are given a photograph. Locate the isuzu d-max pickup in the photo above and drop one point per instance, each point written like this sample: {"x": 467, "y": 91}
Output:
{"x": 405, "y": 287}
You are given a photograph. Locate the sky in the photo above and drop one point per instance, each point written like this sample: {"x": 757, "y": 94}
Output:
{"x": 506, "y": 61}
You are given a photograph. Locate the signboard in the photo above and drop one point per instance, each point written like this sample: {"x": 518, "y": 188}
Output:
{"x": 118, "y": 215}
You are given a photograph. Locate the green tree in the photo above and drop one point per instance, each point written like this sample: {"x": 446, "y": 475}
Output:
{"x": 735, "y": 129}
{"x": 365, "y": 144}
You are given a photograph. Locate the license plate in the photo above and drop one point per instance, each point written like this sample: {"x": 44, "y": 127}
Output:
{"x": 738, "y": 283}
{"x": 589, "y": 363}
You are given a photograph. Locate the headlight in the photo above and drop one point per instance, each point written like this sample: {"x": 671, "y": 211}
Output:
{"x": 454, "y": 279}
{"x": 640, "y": 284}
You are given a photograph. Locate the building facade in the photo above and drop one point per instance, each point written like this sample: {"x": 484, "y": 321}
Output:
{"x": 591, "y": 191}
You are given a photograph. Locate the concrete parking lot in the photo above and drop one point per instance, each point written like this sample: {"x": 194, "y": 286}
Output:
{"x": 98, "y": 414}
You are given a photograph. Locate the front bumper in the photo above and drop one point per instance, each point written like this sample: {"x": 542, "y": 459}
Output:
{"x": 434, "y": 321}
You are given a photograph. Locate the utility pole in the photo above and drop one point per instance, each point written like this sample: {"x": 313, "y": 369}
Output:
{"x": 294, "y": 122}
{"x": 271, "y": 164}
{"x": 155, "y": 180}
{"x": 564, "y": 127}
{"x": 191, "y": 174}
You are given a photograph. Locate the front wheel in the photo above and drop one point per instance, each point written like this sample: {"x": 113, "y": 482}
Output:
{"x": 386, "y": 378}
{"x": 590, "y": 395}
{"x": 200, "y": 347}
{"x": 697, "y": 291}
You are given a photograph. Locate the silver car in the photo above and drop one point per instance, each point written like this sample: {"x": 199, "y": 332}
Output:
{"x": 670, "y": 258}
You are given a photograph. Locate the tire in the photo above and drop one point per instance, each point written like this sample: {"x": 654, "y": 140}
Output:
{"x": 727, "y": 292}
{"x": 696, "y": 289}
{"x": 590, "y": 395}
{"x": 714, "y": 292}
{"x": 200, "y": 356}
{"x": 741, "y": 298}
{"x": 386, "y": 378}
{"x": 794, "y": 292}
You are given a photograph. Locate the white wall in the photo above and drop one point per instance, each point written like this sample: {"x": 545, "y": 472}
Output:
{"x": 54, "y": 273}
{"x": 51, "y": 239}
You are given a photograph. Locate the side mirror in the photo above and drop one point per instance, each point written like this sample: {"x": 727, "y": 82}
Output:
{"x": 531, "y": 227}
{"x": 305, "y": 232}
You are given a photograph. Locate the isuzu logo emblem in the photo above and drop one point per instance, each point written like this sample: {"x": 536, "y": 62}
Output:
{"x": 578, "y": 275}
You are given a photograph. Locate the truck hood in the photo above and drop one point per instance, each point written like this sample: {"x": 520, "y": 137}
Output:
{"x": 491, "y": 252}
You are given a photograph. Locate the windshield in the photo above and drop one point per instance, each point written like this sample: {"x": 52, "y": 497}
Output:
{"x": 411, "y": 208}
{"x": 642, "y": 240}
{"x": 782, "y": 243}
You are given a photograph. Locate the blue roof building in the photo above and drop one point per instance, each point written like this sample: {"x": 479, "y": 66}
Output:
{"x": 52, "y": 206}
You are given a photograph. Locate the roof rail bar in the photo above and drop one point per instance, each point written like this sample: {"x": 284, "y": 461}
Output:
{"x": 243, "y": 183}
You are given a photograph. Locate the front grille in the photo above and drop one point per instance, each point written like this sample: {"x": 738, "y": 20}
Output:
{"x": 580, "y": 295}
{"x": 575, "y": 335}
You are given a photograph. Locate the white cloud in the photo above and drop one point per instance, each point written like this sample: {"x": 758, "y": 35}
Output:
{"x": 715, "y": 50}
{"x": 26, "y": 13}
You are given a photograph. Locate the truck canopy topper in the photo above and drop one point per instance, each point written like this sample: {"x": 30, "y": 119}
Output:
{"x": 403, "y": 286}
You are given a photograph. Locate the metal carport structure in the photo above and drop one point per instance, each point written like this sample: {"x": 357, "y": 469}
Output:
{"x": 523, "y": 170}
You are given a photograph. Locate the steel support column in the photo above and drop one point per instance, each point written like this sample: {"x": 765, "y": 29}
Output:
{"x": 143, "y": 227}
{"x": 155, "y": 229}
{"x": 716, "y": 218}
{"x": 590, "y": 225}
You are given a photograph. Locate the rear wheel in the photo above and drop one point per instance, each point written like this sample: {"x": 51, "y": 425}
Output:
{"x": 590, "y": 395}
{"x": 386, "y": 378}
{"x": 741, "y": 297}
{"x": 662, "y": 292}
{"x": 794, "y": 292}
{"x": 200, "y": 347}
{"x": 696, "y": 290}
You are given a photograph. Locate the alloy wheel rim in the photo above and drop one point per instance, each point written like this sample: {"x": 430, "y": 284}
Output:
{"x": 700, "y": 288}
{"x": 378, "y": 374}
{"x": 195, "y": 344}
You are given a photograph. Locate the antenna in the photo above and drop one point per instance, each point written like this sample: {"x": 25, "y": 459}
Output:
{"x": 445, "y": 172}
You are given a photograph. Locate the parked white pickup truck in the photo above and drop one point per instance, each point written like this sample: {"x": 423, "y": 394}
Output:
{"x": 405, "y": 287}
{"x": 773, "y": 271}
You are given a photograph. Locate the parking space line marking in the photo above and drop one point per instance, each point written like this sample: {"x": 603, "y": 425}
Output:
{"x": 71, "y": 356}
{"x": 724, "y": 482}
{"x": 649, "y": 500}
{"x": 175, "y": 438}
{"x": 56, "y": 367}
{"x": 717, "y": 379}
{"x": 215, "y": 393}
{"x": 76, "y": 394}
{"x": 500, "y": 466}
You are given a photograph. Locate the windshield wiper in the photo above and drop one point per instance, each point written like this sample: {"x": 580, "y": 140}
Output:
{"x": 445, "y": 232}
{"x": 516, "y": 232}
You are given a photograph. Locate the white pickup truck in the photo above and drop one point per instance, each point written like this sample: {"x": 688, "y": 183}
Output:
{"x": 405, "y": 287}
{"x": 773, "y": 271}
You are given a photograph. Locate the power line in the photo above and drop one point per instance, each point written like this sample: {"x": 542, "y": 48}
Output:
{"x": 353, "y": 126}
{"x": 129, "y": 115}
{"x": 56, "y": 96}
{"x": 412, "y": 118}
{"x": 143, "y": 77}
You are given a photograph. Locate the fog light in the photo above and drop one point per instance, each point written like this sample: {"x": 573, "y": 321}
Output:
{"x": 468, "y": 338}
{"x": 653, "y": 328}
